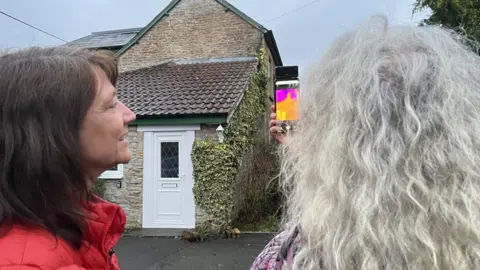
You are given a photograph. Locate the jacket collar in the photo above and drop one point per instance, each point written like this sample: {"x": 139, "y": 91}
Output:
{"x": 105, "y": 224}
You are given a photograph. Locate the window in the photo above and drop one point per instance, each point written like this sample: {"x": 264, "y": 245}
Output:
{"x": 169, "y": 166}
{"x": 114, "y": 173}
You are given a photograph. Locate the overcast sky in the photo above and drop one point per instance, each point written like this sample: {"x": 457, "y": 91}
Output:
{"x": 301, "y": 33}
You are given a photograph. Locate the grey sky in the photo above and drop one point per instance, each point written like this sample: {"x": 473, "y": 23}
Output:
{"x": 301, "y": 35}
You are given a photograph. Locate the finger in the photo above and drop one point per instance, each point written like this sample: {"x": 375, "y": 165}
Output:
{"x": 273, "y": 116}
{"x": 272, "y": 108}
{"x": 275, "y": 130}
{"x": 275, "y": 123}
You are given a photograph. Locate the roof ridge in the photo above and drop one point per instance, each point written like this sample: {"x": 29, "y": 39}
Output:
{"x": 195, "y": 62}
{"x": 166, "y": 62}
{"x": 214, "y": 60}
{"x": 125, "y": 30}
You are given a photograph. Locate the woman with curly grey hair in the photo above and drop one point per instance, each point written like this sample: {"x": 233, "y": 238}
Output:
{"x": 383, "y": 171}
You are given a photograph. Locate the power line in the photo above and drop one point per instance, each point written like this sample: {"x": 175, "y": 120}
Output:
{"x": 36, "y": 28}
{"x": 292, "y": 11}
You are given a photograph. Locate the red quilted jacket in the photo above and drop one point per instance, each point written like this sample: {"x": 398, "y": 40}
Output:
{"x": 27, "y": 249}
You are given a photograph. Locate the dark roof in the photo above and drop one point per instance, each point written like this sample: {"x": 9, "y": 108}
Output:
{"x": 187, "y": 87}
{"x": 106, "y": 39}
{"x": 268, "y": 34}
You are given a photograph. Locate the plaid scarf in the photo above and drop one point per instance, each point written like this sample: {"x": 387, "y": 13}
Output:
{"x": 279, "y": 253}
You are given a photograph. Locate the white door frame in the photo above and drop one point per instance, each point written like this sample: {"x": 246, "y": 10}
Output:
{"x": 149, "y": 195}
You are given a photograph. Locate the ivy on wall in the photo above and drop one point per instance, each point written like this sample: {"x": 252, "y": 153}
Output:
{"x": 240, "y": 133}
{"x": 216, "y": 164}
{"x": 214, "y": 169}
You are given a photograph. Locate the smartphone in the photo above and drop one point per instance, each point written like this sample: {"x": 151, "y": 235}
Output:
{"x": 286, "y": 100}
{"x": 286, "y": 95}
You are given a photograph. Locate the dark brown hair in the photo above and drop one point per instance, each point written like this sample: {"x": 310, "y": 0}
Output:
{"x": 45, "y": 94}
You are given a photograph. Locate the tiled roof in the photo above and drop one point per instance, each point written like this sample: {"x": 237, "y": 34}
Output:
{"x": 113, "y": 38}
{"x": 186, "y": 87}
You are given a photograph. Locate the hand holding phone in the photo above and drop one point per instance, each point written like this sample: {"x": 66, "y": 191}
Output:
{"x": 276, "y": 129}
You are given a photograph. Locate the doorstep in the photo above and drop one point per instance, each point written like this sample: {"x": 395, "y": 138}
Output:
{"x": 154, "y": 232}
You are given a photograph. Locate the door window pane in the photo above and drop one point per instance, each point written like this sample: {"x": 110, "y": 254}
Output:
{"x": 169, "y": 160}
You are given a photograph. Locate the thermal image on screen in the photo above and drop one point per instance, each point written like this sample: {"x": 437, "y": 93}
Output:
{"x": 286, "y": 104}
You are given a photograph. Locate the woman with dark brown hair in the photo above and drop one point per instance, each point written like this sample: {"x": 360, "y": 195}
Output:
{"x": 61, "y": 127}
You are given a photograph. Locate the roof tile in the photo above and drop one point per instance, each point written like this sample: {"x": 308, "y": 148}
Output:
{"x": 186, "y": 88}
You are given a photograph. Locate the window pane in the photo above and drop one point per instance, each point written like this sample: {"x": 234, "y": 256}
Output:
{"x": 169, "y": 159}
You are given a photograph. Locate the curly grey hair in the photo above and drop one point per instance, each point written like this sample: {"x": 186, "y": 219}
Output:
{"x": 385, "y": 173}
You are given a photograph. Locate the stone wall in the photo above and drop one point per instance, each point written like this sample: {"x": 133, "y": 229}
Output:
{"x": 194, "y": 29}
{"x": 206, "y": 130}
{"x": 130, "y": 195}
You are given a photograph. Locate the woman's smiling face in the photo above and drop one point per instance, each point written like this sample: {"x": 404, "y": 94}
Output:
{"x": 105, "y": 128}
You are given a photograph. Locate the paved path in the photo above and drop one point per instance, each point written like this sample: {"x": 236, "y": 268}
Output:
{"x": 136, "y": 253}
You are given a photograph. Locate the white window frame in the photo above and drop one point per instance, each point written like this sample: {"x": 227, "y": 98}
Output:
{"x": 111, "y": 174}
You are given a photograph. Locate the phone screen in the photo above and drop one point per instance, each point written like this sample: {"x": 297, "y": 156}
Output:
{"x": 286, "y": 100}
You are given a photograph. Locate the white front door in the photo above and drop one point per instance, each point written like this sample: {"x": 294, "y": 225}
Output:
{"x": 168, "y": 180}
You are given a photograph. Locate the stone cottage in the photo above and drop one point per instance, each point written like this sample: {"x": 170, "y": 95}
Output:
{"x": 183, "y": 74}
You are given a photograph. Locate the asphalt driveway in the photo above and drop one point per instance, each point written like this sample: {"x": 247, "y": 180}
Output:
{"x": 135, "y": 253}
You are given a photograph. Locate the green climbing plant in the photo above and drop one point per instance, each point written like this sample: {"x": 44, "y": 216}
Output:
{"x": 214, "y": 169}
{"x": 216, "y": 164}
{"x": 240, "y": 132}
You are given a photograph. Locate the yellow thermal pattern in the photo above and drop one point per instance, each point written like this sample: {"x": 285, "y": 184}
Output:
{"x": 287, "y": 110}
